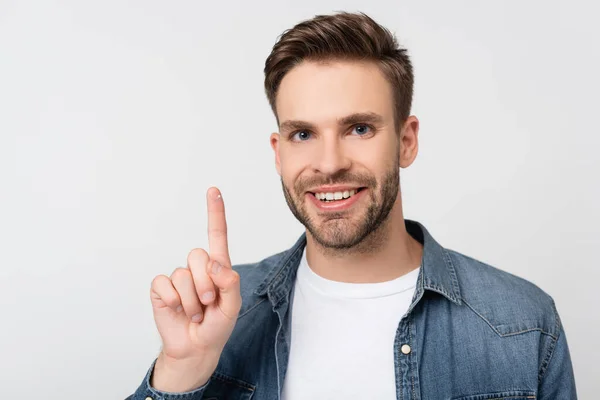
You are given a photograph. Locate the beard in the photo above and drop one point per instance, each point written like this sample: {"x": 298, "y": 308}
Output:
{"x": 359, "y": 230}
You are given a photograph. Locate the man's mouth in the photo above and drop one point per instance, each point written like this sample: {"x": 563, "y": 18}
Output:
{"x": 329, "y": 197}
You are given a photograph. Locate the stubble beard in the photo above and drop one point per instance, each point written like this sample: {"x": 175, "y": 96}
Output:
{"x": 340, "y": 233}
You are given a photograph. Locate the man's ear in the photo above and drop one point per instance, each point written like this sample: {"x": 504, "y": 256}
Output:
{"x": 409, "y": 141}
{"x": 275, "y": 146}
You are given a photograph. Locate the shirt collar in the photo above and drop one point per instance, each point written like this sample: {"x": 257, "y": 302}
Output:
{"x": 437, "y": 271}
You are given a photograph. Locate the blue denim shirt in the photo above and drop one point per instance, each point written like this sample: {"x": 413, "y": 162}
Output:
{"x": 474, "y": 332}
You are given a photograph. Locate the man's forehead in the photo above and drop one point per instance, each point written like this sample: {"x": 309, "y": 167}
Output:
{"x": 327, "y": 93}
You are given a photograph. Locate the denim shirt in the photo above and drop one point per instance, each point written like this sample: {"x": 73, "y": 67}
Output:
{"x": 472, "y": 332}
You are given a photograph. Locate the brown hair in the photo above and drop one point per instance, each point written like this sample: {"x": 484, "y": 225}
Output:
{"x": 342, "y": 36}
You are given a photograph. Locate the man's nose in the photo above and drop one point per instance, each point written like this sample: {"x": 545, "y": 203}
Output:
{"x": 331, "y": 157}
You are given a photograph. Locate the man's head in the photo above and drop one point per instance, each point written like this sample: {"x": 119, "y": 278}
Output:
{"x": 341, "y": 91}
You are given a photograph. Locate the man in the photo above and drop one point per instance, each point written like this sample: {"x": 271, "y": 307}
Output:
{"x": 366, "y": 304}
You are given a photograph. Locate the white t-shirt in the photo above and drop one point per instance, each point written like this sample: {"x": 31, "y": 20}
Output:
{"x": 342, "y": 339}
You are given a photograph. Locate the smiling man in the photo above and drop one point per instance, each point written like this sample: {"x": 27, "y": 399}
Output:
{"x": 366, "y": 304}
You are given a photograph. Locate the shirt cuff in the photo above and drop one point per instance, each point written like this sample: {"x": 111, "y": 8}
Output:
{"x": 147, "y": 392}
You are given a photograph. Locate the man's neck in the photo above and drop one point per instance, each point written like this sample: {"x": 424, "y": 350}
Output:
{"x": 394, "y": 252}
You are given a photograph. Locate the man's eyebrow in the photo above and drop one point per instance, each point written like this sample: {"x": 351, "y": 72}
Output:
{"x": 356, "y": 118}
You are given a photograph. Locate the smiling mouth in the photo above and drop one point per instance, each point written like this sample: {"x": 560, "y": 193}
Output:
{"x": 330, "y": 197}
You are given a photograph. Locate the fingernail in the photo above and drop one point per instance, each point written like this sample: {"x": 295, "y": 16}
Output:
{"x": 216, "y": 267}
{"x": 179, "y": 308}
{"x": 197, "y": 317}
{"x": 208, "y": 296}
{"x": 216, "y": 196}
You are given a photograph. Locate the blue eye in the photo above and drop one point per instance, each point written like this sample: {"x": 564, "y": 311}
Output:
{"x": 362, "y": 129}
{"x": 301, "y": 136}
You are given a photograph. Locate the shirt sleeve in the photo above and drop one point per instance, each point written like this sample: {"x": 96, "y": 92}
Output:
{"x": 556, "y": 377}
{"x": 147, "y": 392}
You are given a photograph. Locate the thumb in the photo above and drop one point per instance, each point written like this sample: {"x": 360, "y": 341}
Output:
{"x": 228, "y": 282}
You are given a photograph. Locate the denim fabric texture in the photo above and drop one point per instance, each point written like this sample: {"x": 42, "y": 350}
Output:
{"x": 475, "y": 333}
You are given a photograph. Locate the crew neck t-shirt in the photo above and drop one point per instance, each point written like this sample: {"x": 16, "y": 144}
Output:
{"x": 342, "y": 336}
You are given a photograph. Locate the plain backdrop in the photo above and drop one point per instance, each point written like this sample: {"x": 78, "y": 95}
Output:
{"x": 115, "y": 117}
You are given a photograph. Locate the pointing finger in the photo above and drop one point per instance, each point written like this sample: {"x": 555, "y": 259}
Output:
{"x": 217, "y": 227}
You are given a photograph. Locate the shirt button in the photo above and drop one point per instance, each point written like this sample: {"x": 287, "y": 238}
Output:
{"x": 405, "y": 349}
{"x": 149, "y": 398}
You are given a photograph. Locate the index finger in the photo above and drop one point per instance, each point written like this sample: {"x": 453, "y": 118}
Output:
{"x": 217, "y": 227}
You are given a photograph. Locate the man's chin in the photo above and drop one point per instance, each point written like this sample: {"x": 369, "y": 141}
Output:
{"x": 335, "y": 233}
{"x": 336, "y": 243}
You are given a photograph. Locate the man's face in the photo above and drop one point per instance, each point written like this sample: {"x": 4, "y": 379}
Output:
{"x": 337, "y": 150}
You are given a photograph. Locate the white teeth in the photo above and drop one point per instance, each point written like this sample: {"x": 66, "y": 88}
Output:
{"x": 336, "y": 195}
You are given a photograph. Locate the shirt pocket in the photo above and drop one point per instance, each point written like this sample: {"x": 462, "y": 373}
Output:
{"x": 508, "y": 395}
{"x": 223, "y": 387}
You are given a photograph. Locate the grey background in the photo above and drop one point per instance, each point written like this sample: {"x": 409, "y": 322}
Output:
{"x": 115, "y": 117}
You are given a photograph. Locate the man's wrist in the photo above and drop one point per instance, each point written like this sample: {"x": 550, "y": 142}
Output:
{"x": 179, "y": 376}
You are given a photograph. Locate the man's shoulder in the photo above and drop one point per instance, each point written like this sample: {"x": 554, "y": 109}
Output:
{"x": 508, "y": 303}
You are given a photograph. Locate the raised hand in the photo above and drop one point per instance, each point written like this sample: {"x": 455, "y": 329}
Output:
{"x": 195, "y": 309}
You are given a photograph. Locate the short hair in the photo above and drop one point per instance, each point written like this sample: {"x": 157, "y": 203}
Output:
{"x": 343, "y": 36}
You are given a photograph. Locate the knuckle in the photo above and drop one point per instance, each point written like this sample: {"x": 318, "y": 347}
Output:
{"x": 161, "y": 287}
{"x": 233, "y": 279}
{"x": 169, "y": 297}
{"x": 197, "y": 254}
{"x": 180, "y": 273}
{"x": 158, "y": 281}
{"x": 171, "y": 301}
{"x": 221, "y": 259}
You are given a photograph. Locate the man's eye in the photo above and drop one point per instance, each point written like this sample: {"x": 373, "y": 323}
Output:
{"x": 301, "y": 136}
{"x": 361, "y": 129}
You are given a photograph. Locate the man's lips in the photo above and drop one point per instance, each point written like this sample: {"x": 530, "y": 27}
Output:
{"x": 334, "y": 188}
{"x": 336, "y": 205}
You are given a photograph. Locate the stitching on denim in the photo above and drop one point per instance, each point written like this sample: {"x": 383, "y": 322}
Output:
{"x": 398, "y": 362}
{"x": 496, "y": 398}
{"x": 439, "y": 290}
{"x": 482, "y": 317}
{"x": 552, "y": 346}
{"x": 419, "y": 290}
{"x": 510, "y": 333}
{"x": 412, "y": 376}
{"x": 546, "y": 360}
{"x": 252, "y": 308}
{"x": 157, "y": 395}
{"x": 479, "y": 397}
{"x": 556, "y": 318}
{"x": 453, "y": 276}
{"x": 506, "y": 394}
{"x": 527, "y": 330}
